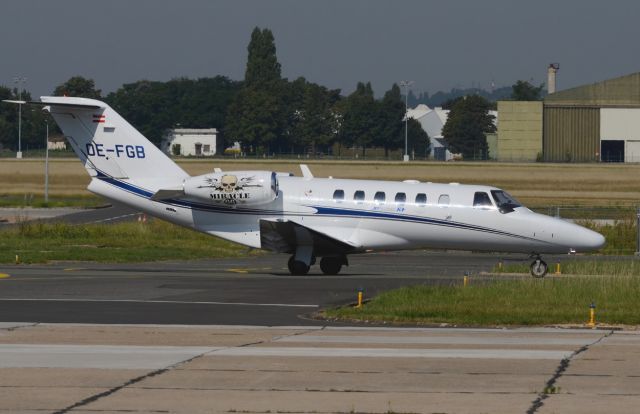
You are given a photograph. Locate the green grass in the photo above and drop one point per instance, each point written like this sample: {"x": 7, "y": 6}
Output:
{"x": 581, "y": 267}
{"x": 553, "y": 300}
{"x": 620, "y": 236}
{"x": 37, "y": 201}
{"x": 36, "y": 242}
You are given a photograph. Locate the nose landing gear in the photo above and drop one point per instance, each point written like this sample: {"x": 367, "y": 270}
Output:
{"x": 539, "y": 268}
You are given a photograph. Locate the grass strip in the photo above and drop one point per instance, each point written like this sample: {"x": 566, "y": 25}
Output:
{"x": 553, "y": 300}
{"x": 37, "y": 201}
{"x": 623, "y": 267}
{"x": 38, "y": 242}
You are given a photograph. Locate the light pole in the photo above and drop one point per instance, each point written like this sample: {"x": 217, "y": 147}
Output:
{"x": 46, "y": 166}
{"x": 406, "y": 85}
{"x": 19, "y": 81}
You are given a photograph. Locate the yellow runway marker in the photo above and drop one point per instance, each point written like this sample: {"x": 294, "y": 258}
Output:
{"x": 249, "y": 269}
{"x": 4, "y": 275}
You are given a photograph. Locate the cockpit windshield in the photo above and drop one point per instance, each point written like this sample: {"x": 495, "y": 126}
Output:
{"x": 505, "y": 202}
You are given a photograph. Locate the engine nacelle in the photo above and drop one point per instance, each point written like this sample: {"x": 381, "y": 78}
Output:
{"x": 234, "y": 187}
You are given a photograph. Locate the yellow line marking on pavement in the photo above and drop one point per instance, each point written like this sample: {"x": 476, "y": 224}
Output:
{"x": 4, "y": 275}
{"x": 249, "y": 269}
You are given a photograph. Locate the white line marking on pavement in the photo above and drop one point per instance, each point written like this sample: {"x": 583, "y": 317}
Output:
{"x": 394, "y": 353}
{"x": 171, "y": 302}
{"x": 96, "y": 356}
{"x": 112, "y": 218}
{"x": 457, "y": 340}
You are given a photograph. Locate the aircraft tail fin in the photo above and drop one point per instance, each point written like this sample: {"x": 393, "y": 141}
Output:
{"x": 107, "y": 144}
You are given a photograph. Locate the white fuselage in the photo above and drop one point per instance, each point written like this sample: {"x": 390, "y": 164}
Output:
{"x": 448, "y": 219}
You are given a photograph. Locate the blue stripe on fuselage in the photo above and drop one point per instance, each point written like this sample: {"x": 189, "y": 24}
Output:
{"x": 320, "y": 211}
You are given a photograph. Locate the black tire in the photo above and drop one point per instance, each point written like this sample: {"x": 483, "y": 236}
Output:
{"x": 331, "y": 265}
{"x": 296, "y": 267}
{"x": 539, "y": 268}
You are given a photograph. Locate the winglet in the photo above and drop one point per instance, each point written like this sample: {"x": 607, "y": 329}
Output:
{"x": 306, "y": 172}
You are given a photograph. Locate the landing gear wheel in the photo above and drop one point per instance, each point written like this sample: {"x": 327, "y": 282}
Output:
{"x": 539, "y": 268}
{"x": 296, "y": 267}
{"x": 331, "y": 265}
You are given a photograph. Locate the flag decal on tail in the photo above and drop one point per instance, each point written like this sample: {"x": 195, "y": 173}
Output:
{"x": 99, "y": 119}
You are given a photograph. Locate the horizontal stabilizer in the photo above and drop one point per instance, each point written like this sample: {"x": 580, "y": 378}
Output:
{"x": 53, "y": 103}
{"x": 167, "y": 193}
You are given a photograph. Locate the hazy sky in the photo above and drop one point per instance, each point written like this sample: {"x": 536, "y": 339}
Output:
{"x": 438, "y": 44}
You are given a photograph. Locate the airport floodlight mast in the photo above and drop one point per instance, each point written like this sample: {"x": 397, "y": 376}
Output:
{"x": 405, "y": 84}
{"x": 19, "y": 81}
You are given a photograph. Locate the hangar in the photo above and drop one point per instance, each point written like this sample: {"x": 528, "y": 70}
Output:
{"x": 595, "y": 122}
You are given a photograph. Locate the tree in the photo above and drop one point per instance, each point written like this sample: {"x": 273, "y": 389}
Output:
{"x": 524, "y": 91}
{"x": 359, "y": 117}
{"x": 465, "y": 129}
{"x": 257, "y": 116}
{"x": 153, "y": 107}
{"x": 33, "y": 122}
{"x": 79, "y": 87}
{"x": 263, "y": 68}
{"x": 389, "y": 133}
{"x": 312, "y": 121}
{"x": 418, "y": 140}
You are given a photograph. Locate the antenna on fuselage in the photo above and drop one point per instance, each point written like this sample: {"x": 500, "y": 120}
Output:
{"x": 306, "y": 172}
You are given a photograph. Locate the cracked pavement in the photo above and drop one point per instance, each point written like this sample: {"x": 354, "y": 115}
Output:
{"x": 70, "y": 368}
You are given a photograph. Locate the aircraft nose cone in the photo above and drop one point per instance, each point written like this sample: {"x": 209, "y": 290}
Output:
{"x": 588, "y": 240}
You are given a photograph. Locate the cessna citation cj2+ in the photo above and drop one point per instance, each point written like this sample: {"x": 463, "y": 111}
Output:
{"x": 305, "y": 216}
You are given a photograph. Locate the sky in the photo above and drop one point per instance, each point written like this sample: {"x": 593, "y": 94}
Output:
{"x": 437, "y": 44}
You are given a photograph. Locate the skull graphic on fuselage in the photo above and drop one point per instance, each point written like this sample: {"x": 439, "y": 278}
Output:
{"x": 228, "y": 183}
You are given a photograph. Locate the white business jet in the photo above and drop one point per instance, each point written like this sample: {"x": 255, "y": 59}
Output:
{"x": 306, "y": 217}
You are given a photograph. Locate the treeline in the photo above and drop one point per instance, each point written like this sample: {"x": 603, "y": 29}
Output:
{"x": 266, "y": 113}
{"x": 269, "y": 114}
{"x": 444, "y": 99}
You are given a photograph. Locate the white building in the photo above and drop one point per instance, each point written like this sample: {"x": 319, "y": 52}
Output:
{"x": 189, "y": 141}
{"x": 57, "y": 142}
{"x": 432, "y": 121}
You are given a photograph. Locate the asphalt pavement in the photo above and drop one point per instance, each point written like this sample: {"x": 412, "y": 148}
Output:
{"x": 256, "y": 290}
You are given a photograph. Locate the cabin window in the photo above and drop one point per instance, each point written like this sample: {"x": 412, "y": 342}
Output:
{"x": 401, "y": 198}
{"x": 481, "y": 199}
{"x": 338, "y": 195}
{"x": 421, "y": 199}
{"x": 358, "y": 196}
{"x": 379, "y": 197}
{"x": 443, "y": 200}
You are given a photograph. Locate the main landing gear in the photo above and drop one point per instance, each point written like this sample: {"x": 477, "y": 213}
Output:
{"x": 539, "y": 267}
{"x": 330, "y": 265}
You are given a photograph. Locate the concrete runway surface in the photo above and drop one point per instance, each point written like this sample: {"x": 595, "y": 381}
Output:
{"x": 59, "y": 368}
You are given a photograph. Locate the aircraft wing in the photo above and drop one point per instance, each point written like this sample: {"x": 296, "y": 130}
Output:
{"x": 282, "y": 236}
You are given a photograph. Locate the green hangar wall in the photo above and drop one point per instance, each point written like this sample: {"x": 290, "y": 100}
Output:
{"x": 571, "y": 134}
{"x": 519, "y": 131}
{"x": 596, "y": 122}
{"x": 590, "y": 123}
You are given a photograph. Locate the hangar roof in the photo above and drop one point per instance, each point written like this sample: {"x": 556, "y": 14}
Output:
{"x": 618, "y": 92}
